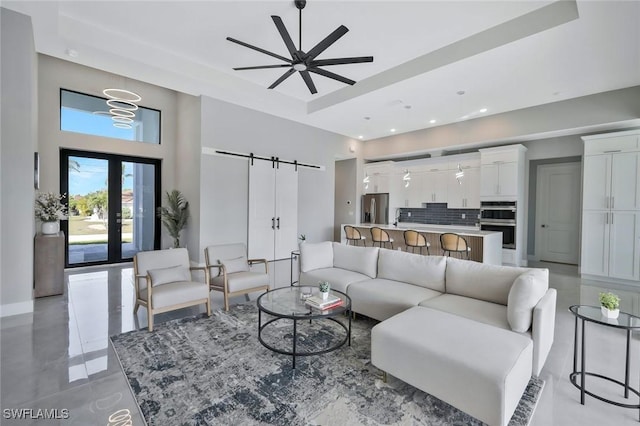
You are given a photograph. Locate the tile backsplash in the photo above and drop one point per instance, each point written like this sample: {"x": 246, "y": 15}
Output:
{"x": 439, "y": 214}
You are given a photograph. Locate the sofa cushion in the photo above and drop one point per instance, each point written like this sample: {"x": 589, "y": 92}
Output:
{"x": 339, "y": 279}
{"x": 241, "y": 281}
{"x": 316, "y": 256}
{"x": 425, "y": 271}
{"x": 381, "y": 299}
{"x": 168, "y": 275}
{"x": 478, "y": 310}
{"x": 525, "y": 293}
{"x": 480, "y": 281}
{"x": 176, "y": 293}
{"x": 356, "y": 259}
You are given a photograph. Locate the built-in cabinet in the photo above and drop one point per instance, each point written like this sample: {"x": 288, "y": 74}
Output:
{"x": 499, "y": 174}
{"x": 273, "y": 210}
{"x": 464, "y": 193}
{"x": 378, "y": 177}
{"x": 611, "y": 208}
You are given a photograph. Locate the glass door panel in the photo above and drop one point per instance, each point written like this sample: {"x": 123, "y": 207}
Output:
{"x": 138, "y": 206}
{"x": 112, "y": 205}
{"x": 88, "y": 224}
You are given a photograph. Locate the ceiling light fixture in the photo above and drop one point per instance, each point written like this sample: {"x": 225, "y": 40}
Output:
{"x": 459, "y": 174}
{"x": 360, "y": 137}
{"x": 406, "y": 178}
{"x": 432, "y": 121}
{"x": 393, "y": 130}
{"x": 122, "y": 106}
{"x": 483, "y": 110}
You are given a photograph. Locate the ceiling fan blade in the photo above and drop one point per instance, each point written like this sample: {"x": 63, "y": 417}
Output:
{"x": 282, "y": 78}
{"x": 260, "y": 67}
{"x": 266, "y": 52}
{"x": 328, "y": 41}
{"x": 341, "y": 61}
{"x": 285, "y": 35}
{"x": 331, "y": 75}
{"x": 309, "y": 82}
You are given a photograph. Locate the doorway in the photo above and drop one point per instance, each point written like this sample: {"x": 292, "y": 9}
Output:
{"x": 558, "y": 212}
{"x": 112, "y": 202}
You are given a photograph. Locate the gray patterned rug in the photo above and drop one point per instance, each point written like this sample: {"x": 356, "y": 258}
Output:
{"x": 206, "y": 371}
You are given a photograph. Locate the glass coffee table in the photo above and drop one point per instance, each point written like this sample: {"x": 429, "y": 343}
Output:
{"x": 627, "y": 322}
{"x": 288, "y": 304}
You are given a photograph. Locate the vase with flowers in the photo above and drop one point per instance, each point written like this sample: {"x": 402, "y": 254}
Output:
{"x": 50, "y": 210}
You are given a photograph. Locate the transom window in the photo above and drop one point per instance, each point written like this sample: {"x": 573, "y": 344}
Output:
{"x": 120, "y": 119}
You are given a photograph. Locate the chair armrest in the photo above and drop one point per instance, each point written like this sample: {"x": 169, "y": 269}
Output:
{"x": 266, "y": 264}
{"x": 543, "y": 329}
{"x": 204, "y": 269}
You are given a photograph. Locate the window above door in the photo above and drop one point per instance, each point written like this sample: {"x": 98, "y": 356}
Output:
{"x": 81, "y": 113}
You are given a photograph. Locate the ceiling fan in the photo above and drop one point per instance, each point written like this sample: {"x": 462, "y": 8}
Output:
{"x": 304, "y": 62}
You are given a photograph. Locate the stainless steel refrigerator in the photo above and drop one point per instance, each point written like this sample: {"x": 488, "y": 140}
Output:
{"x": 375, "y": 208}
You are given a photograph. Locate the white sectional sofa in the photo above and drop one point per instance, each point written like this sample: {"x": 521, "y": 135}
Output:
{"x": 468, "y": 333}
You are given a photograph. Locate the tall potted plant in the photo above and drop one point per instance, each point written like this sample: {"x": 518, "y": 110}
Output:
{"x": 174, "y": 215}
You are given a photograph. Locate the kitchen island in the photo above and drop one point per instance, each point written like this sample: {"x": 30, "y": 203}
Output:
{"x": 486, "y": 246}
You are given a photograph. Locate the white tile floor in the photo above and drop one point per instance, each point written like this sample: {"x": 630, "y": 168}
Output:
{"x": 60, "y": 357}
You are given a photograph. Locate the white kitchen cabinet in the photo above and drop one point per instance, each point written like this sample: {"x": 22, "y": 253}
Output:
{"x": 466, "y": 193}
{"x": 434, "y": 185}
{"x": 379, "y": 178}
{"x": 611, "y": 206}
{"x": 273, "y": 210}
{"x": 610, "y": 244}
{"x": 611, "y": 181}
{"x": 499, "y": 179}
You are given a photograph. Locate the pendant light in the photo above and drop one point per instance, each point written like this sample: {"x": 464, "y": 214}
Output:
{"x": 406, "y": 178}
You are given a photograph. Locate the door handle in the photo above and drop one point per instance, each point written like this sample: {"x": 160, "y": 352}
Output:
{"x": 543, "y": 226}
{"x": 278, "y": 226}
{"x": 273, "y": 223}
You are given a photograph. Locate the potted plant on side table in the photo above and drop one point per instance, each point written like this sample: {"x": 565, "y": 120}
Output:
{"x": 49, "y": 210}
{"x": 609, "y": 305}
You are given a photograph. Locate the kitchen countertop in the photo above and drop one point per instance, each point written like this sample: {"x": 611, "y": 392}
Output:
{"x": 435, "y": 229}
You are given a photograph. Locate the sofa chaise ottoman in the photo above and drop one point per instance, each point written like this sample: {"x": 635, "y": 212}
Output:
{"x": 479, "y": 369}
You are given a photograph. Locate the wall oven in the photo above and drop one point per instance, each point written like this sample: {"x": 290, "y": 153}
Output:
{"x": 500, "y": 216}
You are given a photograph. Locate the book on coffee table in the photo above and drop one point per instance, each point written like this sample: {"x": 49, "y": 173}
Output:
{"x": 319, "y": 303}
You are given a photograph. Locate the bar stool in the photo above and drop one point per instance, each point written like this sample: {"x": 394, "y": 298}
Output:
{"x": 450, "y": 242}
{"x": 354, "y": 235}
{"x": 380, "y": 236}
{"x": 415, "y": 240}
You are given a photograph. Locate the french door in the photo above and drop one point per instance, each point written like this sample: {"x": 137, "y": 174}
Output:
{"x": 112, "y": 202}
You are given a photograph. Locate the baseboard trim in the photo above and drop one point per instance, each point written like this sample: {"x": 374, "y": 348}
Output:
{"x": 11, "y": 309}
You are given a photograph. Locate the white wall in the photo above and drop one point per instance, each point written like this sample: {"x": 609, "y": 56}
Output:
{"x": 188, "y": 165}
{"x": 18, "y": 74}
{"x": 346, "y": 195}
{"x": 224, "y": 181}
{"x": 54, "y": 74}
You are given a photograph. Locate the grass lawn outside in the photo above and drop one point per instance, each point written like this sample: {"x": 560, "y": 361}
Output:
{"x": 83, "y": 225}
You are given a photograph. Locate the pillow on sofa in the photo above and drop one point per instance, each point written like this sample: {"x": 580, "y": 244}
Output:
{"x": 316, "y": 256}
{"x": 425, "y": 271}
{"x": 169, "y": 275}
{"x": 237, "y": 264}
{"x": 357, "y": 259}
{"x": 525, "y": 293}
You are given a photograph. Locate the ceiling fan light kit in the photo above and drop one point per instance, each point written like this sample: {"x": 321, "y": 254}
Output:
{"x": 301, "y": 61}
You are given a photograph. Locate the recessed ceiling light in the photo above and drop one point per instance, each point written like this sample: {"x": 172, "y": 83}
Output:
{"x": 483, "y": 110}
{"x": 360, "y": 137}
{"x": 72, "y": 53}
{"x": 432, "y": 121}
{"x": 392, "y": 130}
{"x": 464, "y": 117}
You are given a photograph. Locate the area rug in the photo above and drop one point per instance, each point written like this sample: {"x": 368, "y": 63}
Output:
{"x": 213, "y": 371}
